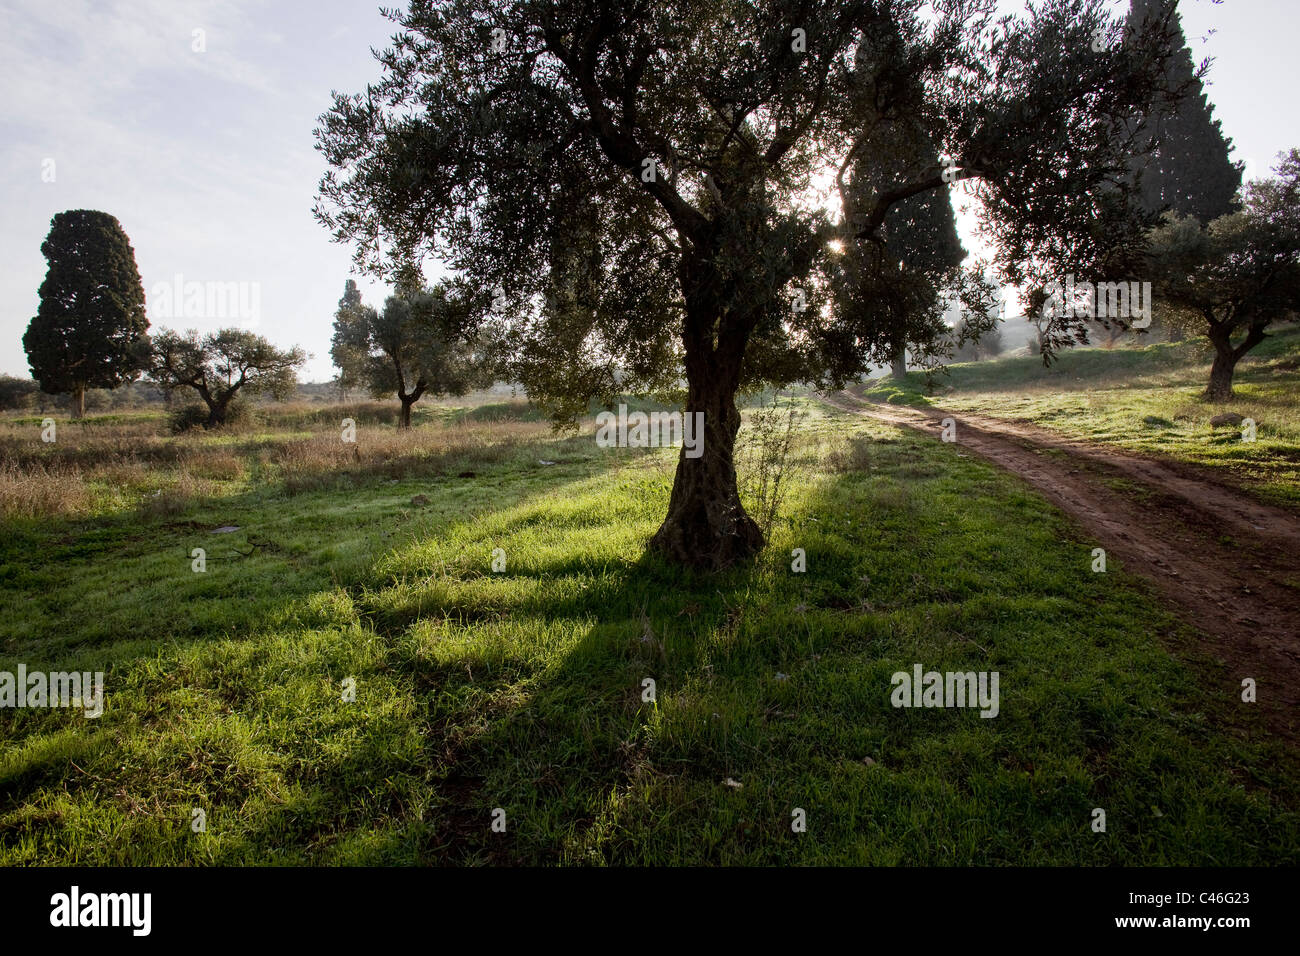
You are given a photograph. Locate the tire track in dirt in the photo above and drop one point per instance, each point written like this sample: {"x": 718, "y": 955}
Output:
{"x": 1221, "y": 559}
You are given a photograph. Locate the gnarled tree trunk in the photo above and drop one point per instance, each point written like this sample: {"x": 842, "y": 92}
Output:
{"x": 707, "y": 526}
{"x": 1220, "y": 387}
{"x": 1226, "y": 358}
{"x": 408, "y": 399}
{"x": 217, "y": 411}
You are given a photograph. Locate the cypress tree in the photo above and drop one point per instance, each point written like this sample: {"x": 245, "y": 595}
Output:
{"x": 90, "y": 330}
{"x": 903, "y": 277}
{"x": 1189, "y": 171}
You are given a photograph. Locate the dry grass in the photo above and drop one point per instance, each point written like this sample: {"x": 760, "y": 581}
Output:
{"x": 42, "y": 492}
{"x": 81, "y": 446}
{"x": 97, "y": 467}
{"x": 324, "y": 459}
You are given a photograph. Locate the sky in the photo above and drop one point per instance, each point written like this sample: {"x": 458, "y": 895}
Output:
{"x": 191, "y": 121}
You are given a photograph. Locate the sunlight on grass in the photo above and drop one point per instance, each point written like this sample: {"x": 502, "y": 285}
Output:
{"x": 524, "y": 689}
{"x": 1147, "y": 400}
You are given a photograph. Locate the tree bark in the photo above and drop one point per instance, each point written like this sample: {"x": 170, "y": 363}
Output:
{"x": 408, "y": 398}
{"x": 217, "y": 412}
{"x": 706, "y": 526}
{"x": 898, "y": 361}
{"x": 1226, "y": 358}
{"x": 78, "y": 403}
{"x": 1220, "y": 387}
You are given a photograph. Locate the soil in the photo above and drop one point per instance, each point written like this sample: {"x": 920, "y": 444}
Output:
{"x": 1225, "y": 562}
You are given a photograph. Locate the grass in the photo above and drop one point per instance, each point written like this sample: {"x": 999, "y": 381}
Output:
{"x": 524, "y": 690}
{"x": 1146, "y": 400}
{"x": 99, "y": 468}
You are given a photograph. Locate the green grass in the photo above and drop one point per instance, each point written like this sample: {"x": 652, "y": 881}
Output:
{"x": 1146, "y": 400}
{"x": 523, "y": 690}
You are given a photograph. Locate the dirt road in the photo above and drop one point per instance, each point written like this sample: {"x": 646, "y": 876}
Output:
{"x": 1222, "y": 560}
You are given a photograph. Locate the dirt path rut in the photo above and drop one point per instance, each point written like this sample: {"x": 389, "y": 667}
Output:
{"x": 1227, "y": 564}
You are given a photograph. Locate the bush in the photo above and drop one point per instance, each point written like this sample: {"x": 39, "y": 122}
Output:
{"x": 762, "y": 459}
{"x": 183, "y": 418}
{"x": 195, "y": 415}
{"x": 17, "y": 393}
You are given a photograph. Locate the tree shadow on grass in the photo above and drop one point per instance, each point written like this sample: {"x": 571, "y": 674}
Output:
{"x": 548, "y": 739}
{"x": 143, "y": 626}
{"x": 525, "y": 691}
{"x": 772, "y": 695}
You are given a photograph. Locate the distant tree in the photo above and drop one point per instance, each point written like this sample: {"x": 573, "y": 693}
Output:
{"x": 221, "y": 364}
{"x": 414, "y": 347}
{"x": 1238, "y": 275}
{"x": 17, "y": 393}
{"x": 974, "y": 348}
{"x": 1041, "y": 320}
{"x": 1183, "y": 158}
{"x": 349, "y": 359}
{"x": 1106, "y": 236}
{"x": 90, "y": 329}
{"x": 1105, "y": 332}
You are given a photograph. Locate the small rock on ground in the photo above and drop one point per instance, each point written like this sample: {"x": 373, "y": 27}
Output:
{"x": 1227, "y": 418}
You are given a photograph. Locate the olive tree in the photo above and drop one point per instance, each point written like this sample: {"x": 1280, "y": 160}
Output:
{"x": 219, "y": 365}
{"x": 415, "y": 346}
{"x": 632, "y": 191}
{"x": 1233, "y": 277}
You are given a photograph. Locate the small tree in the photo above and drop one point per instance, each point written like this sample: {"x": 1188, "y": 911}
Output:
{"x": 221, "y": 364}
{"x": 90, "y": 329}
{"x": 1238, "y": 275}
{"x": 412, "y": 348}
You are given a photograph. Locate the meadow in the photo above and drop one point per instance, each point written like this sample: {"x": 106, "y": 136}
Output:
{"x": 348, "y": 681}
{"x": 1143, "y": 399}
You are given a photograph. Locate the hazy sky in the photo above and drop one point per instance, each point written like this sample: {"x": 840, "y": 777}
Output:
{"x": 208, "y": 160}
